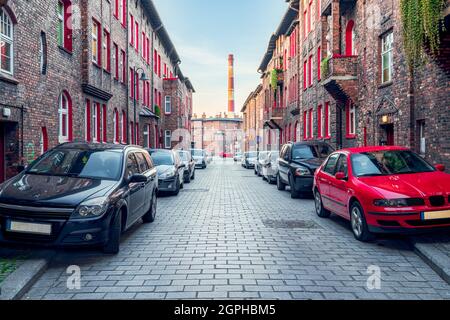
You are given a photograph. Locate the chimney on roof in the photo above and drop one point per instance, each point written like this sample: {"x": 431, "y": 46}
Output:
{"x": 204, "y": 115}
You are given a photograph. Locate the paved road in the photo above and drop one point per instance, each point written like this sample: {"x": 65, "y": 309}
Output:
{"x": 230, "y": 235}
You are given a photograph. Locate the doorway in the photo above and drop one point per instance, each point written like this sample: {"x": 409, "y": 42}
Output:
{"x": 388, "y": 136}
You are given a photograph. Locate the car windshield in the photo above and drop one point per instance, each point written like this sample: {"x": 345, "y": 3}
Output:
{"x": 304, "y": 152}
{"x": 263, "y": 155}
{"x": 251, "y": 154}
{"x": 198, "y": 153}
{"x": 162, "y": 158}
{"x": 382, "y": 163}
{"x": 90, "y": 164}
{"x": 274, "y": 155}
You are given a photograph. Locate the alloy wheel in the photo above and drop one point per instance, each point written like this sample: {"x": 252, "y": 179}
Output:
{"x": 356, "y": 221}
{"x": 318, "y": 202}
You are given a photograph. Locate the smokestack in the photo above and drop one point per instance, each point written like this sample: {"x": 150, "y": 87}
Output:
{"x": 231, "y": 83}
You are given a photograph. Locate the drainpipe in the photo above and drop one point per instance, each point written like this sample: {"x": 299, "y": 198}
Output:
{"x": 126, "y": 70}
{"x": 412, "y": 116}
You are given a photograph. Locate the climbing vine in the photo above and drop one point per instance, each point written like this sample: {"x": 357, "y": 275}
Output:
{"x": 274, "y": 78}
{"x": 422, "y": 23}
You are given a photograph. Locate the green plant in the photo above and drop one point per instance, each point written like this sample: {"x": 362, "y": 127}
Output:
{"x": 325, "y": 67}
{"x": 422, "y": 22}
{"x": 157, "y": 111}
{"x": 274, "y": 78}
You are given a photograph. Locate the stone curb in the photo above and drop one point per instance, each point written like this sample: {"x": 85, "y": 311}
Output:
{"x": 432, "y": 256}
{"x": 22, "y": 279}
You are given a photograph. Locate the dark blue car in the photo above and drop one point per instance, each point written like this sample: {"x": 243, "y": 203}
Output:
{"x": 79, "y": 194}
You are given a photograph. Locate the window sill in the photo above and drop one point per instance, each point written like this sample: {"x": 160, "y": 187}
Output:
{"x": 350, "y": 136}
{"x": 385, "y": 85}
{"x": 65, "y": 50}
{"x": 8, "y": 78}
{"x": 327, "y": 138}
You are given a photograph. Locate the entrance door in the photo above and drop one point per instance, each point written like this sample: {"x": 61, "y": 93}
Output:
{"x": 389, "y": 130}
{"x": 2, "y": 153}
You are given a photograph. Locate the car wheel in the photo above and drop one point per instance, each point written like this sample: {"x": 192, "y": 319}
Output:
{"x": 280, "y": 185}
{"x": 320, "y": 210}
{"x": 256, "y": 172}
{"x": 358, "y": 223}
{"x": 294, "y": 194}
{"x": 178, "y": 187}
{"x": 114, "y": 233}
{"x": 188, "y": 179}
{"x": 149, "y": 217}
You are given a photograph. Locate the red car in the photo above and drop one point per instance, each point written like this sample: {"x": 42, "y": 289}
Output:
{"x": 383, "y": 189}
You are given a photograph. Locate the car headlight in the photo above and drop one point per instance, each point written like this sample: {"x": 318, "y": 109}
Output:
{"x": 91, "y": 208}
{"x": 397, "y": 202}
{"x": 168, "y": 174}
{"x": 302, "y": 171}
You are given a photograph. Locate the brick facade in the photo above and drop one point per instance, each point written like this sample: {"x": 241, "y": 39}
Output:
{"x": 30, "y": 96}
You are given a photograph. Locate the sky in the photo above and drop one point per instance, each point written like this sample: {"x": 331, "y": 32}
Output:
{"x": 204, "y": 32}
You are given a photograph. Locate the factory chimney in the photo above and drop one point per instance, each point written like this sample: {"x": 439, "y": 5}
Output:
{"x": 231, "y": 83}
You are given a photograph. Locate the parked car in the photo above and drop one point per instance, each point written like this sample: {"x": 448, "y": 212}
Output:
{"x": 260, "y": 162}
{"x": 170, "y": 170}
{"x": 383, "y": 189}
{"x": 297, "y": 164}
{"x": 237, "y": 157}
{"x": 270, "y": 169}
{"x": 200, "y": 158}
{"x": 189, "y": 169}
{"x": 249, "y": 159}
{"x": 209, "y": 158}
{"x": 79, "y": 194}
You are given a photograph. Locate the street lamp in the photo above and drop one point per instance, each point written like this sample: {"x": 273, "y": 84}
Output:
{"x": 136, "y": 83}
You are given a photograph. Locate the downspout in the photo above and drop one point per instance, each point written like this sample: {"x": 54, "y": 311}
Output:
{"x": 411, "y": 101}
{"x": 126, "y": 70}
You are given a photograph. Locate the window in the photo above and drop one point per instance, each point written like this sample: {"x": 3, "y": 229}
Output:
{"x": 123, "y": 66}
{"x": 64, "y": 28}
{"x": 342, "y": 166}
{"x": 305, "y": 125}
{"x": 168, "y": 105}
{"x": 155, "y": 61}
{"x": 6, "y": 42}
{"x": 96, "y": 43}
{"x": 132, "y": 166}
{"x": 131, "y": 31}
{"x": 96, "y": 121}
{"x": 305, "y": 72}
{"x": 116, "y": 126}
{"x": 319, "y": 9}
{"x": 350, "y": 39}
{"x": 124, "y": 12}
{"x": 310, "y": 71}
{"x": 147, "y": 44}
{"x": 351, "y": 120}
{"x": 106, "y": 50}
{"x": 305, "y": 22}
{"x": 65, "y": 118}
{"x": 44, "y": 140}
{"x": 117, "y": 5}
{"x": 319, "y": 60}
{"x": 104, "y": 124}
{"x": 132, "y": 78}
{"x": 422, "y": 139}
{"x": 167, "y": 139}
{"x": 116, "y": 62}
{"x": 331, "y": 164}
{"x": 319, "y": 122}
{"x": 387, "y": 43}
{"x": 144, "y": 49}
{"x": 327, "y": 120}
{"x": 147, "y": 136}
{"x": 136, "y": 30}
{"x": 310, "y": 21}
{"x": 159, "y": 65}
{"x": 87, "y": 121}
{"x": 43, "y": 53}
{"x": 123, "y": 122}
{"x": 142, "y": 162}
{"x": 311, "y": 124}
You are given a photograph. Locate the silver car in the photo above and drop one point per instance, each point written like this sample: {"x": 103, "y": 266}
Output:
{"x": 200, "y": 158}
{"x": 260, "y": 162}
{"x": 249, "y": 159}
{"x": 270, "y": 170}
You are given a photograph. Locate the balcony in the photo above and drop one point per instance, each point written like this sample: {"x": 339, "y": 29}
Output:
{"x": 273, "y": 118}
{"x": 340, "y": 77}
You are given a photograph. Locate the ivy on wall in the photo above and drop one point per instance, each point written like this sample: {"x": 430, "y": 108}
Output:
{"x": 422, "y": 22}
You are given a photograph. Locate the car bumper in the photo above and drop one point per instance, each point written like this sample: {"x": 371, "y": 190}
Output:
{"x": 406, "y": 222}
{"x": 65, "y": 232}
{"x": 200, "y": 164}
{"x": 303, "y": 184}
{"x": 167, "y": 185}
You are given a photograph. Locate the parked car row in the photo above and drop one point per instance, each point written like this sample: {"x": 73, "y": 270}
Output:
{"x": 83, "y": 194}
{"x": 377, "y": 189}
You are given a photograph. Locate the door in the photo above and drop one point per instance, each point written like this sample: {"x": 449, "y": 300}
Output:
{"x": 144, "y": 169}
{"x": 388, "y": 136}
{"x": 136, "y": 190}
{"x": 338, "y": 188}
{"x": 283, "y": 163}
{"x": 2, "y": 153}
{"x": 325, "y": 176}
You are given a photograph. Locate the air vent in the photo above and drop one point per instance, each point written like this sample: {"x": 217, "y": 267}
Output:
{"x": 437, "y": 201}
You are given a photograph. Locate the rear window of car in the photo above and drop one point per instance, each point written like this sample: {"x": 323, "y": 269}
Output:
{"x": 162, "y": 158}
{"x": 304, "y": 152}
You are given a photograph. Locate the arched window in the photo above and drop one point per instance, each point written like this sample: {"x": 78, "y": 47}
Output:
{"x": 6, "y": 42}
{"x": 44, "y": 140}
{"x": 350, "y": 39}
{"x": 65, "y": 118}
{"x": 116, "y": 126}
{"x": 43, "y": 53}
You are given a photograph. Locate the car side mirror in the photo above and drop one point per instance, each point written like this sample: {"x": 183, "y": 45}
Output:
{"x": 340, "y": 176}
{"x": 440, "y": 167}
{"x": 182, "y": 165}
{"x": 137, "y": 178}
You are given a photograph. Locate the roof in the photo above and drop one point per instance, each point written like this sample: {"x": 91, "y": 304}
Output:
{"x": 219, "y": 119}
{"x": 374, "y": 149}
{"x": 146, "y": 112}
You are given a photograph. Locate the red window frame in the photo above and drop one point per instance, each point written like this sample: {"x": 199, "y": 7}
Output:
{"x": 310, "y": 71}
{"x": 88, "y": 121}
{"x": 349, "y": 38}
{"x": 310, "y": 122}
{"x": 144, "y": 49}
{"x": 147, "y": 41}
{"x": 99, "y": 42}
{"x": 107, "y": 66}
{"x": 319, "y": 57}
{"x": 68, "y": 36}
{"x": 159, "y": 65}
{"x": 116, "y": 62}
{"x": 327, "y": 121}
{"x": 305, "y": 72}
{"x": 319, "y": 122}
{"x": 124, "y": 66}
{"x": 99, "y": 122}
{"x": 104, "y": 124}
{"x": 132, "y": 78}
{"x": 155, "y": 61}
{"x": 117, "y": 126}
{"x": 131, "y": 30}
{"x": 350, "y": 121}
{"x": 124, "y": 126}
{"x": 305, "y": 118}
{"x": 136, "y": 25}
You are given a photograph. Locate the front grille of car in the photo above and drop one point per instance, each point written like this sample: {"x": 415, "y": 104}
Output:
{"x": 415, "y": 202}
{"x": 437, "y": 201}
{"x": 428, "y": 223}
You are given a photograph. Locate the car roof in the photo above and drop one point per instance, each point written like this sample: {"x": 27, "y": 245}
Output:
{"x": 159, "y": 150}
{"x": 373, "y": 149}
{"x": 307, "y": 143}
{"x": 95, "y": 146}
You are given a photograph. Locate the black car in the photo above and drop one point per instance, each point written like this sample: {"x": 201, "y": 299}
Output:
{"x": 79, "y": 194}
{"x": 170, "y": 170}
{"x": 189, "y": 170}
{"x": 297, "y": 164}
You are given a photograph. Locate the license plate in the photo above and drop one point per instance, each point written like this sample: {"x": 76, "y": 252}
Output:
{"x": 432, "y": 215}
{"x": 26, "y": 227}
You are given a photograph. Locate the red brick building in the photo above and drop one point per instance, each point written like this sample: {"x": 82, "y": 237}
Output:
{"x": 81, "y": 70}
{"x": 354, "y": 85}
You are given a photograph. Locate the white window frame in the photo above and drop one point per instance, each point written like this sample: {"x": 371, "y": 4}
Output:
{"x": 86, "y": 120}
{"x": 115, "y": 131}
{"x": 167, "y": 104}
{"x": 122, "y": 121}
{"x": 95, "y": 28}
{"x": 167, "y": 135}
{"x": 105, "y": 49}
{"x": 387, "y": 51}
{"x": 422, "y": 138}
{"x": 5, "y": 19}
{"x": 61, "y": 22}
{"x": 147, "y": 136}
{"x": 311, "y": 129}
{"x": 63, "y": 112}
{"x": 95, "y": 115}
{"x": 352, "y": 119}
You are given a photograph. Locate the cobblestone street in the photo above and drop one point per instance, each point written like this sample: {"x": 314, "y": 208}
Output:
{"x": 231, "y": 235}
